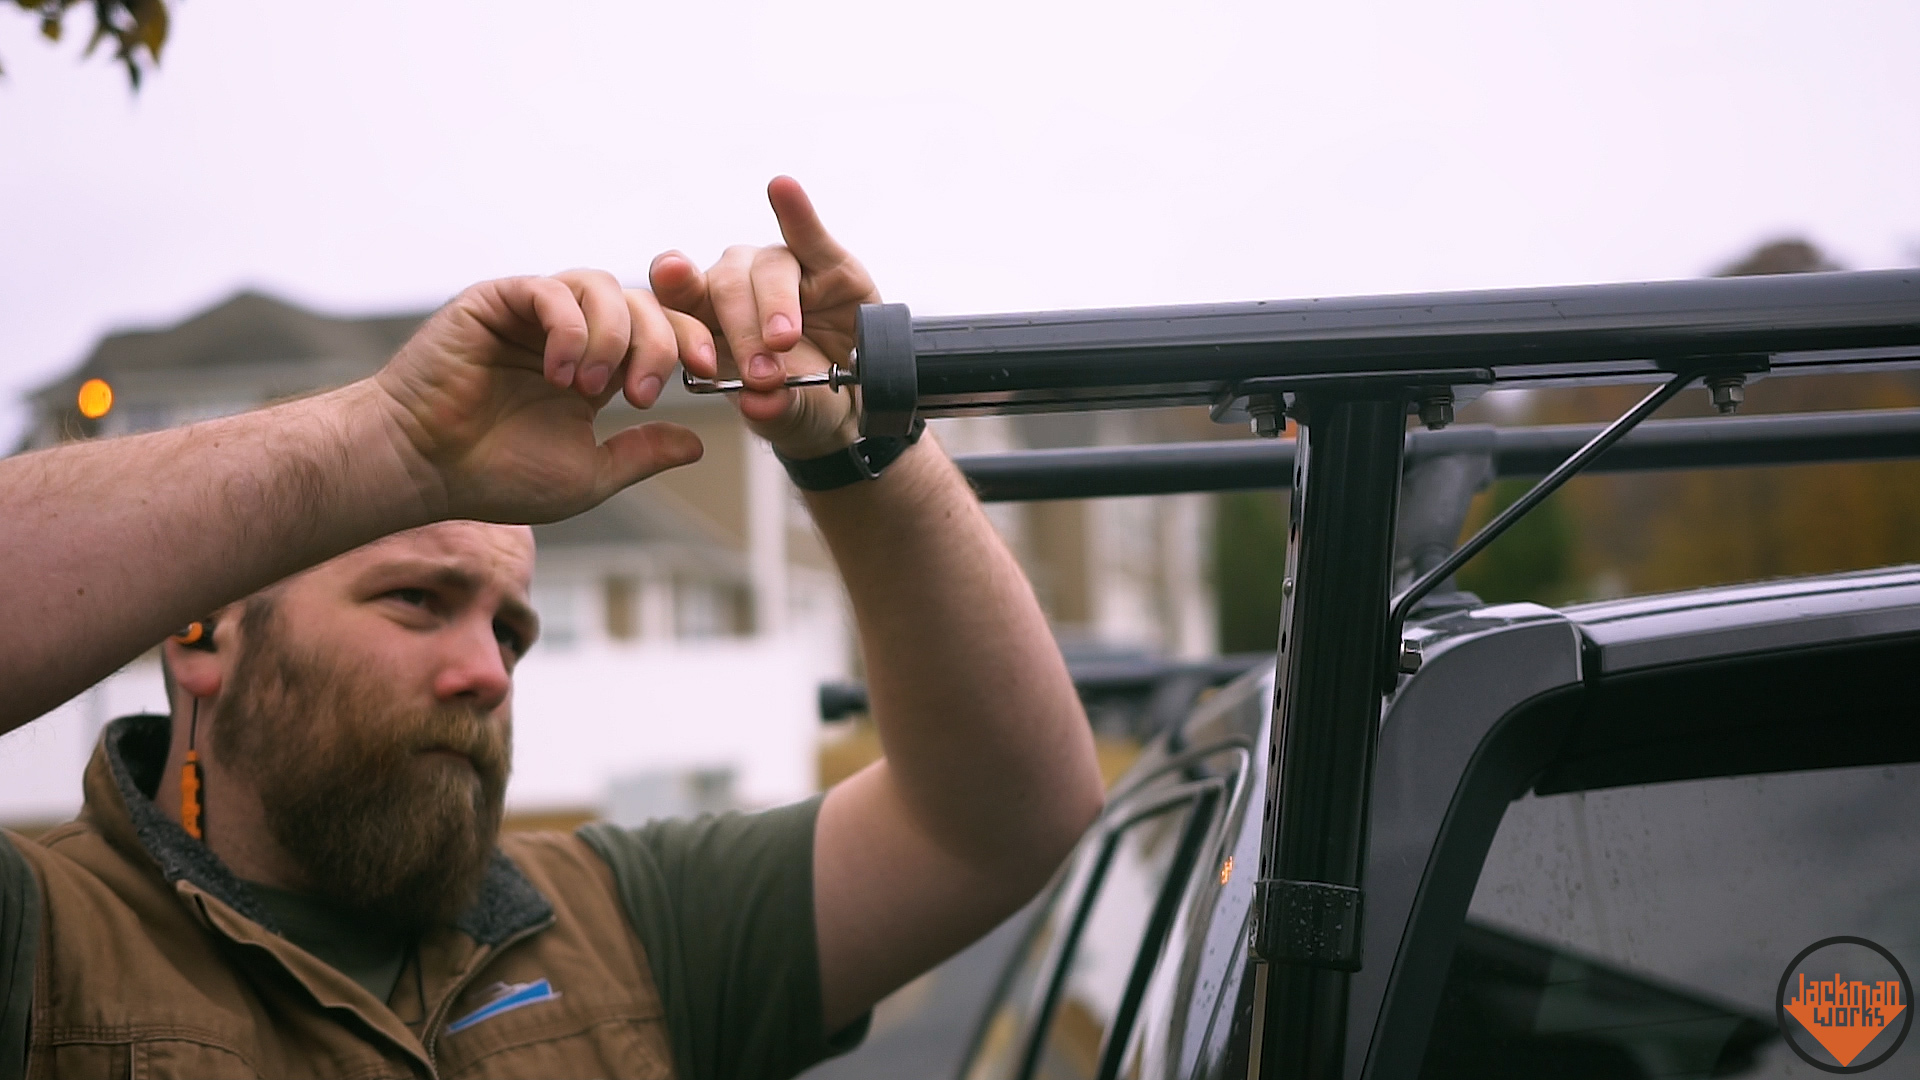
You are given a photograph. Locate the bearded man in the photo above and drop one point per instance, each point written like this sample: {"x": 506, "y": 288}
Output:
{"x": 300, "y": 871}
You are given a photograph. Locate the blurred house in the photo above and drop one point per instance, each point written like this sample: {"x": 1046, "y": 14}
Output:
{"x": 685, "y": 623}
{"x": 1114, "y": 575}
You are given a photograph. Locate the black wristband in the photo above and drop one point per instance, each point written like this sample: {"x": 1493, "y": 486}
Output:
{"x": 864, "y": 460}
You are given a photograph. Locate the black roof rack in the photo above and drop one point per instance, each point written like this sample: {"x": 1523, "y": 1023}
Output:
{"x": 1348, "y": 371}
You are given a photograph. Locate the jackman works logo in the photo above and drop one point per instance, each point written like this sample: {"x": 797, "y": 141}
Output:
{"x": 1849, "y": 1003}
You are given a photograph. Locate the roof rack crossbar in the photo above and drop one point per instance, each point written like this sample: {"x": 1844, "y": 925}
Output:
{"x": 1256, "y": 464}
{"x": 1154, "y": 356}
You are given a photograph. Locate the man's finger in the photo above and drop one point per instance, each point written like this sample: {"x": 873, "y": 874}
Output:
{"x": 694, "y": 342}
{"x": 630, "y": 456}
{"x": 654, "y": 352}
{"x": 775, "y": 275}
{"x": 609, "y": 327}
{"x": 800, "y": 226}
{"x": 539, "y": 313}
{"x": 679, "y": 284}
{"x": 730, "y": 291}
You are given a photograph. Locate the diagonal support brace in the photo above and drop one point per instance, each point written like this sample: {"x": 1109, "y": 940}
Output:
{"x": 1399, "y": 664}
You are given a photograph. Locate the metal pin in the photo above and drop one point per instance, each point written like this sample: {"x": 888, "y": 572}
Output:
{"x": 833, "y": 378}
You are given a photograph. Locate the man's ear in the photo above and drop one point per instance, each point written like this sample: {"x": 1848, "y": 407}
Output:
{"x": 201, "y": 669}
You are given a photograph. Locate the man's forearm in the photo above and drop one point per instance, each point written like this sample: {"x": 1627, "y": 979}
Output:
{"x": 985, "y": 736}
{"x": 115, "y": 543}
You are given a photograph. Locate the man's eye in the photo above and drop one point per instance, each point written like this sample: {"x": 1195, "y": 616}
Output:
{"x": 414, "y": 597}
{"x": 510, "y": 638}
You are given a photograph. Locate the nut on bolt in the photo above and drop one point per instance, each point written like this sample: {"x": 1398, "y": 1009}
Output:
{"x": 1728, "y": 392}
{"x": 1265, "y": 414}
{"x": 1436, "y": 408}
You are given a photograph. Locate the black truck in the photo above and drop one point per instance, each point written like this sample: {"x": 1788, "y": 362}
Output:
{"x": 1437, "y": 838}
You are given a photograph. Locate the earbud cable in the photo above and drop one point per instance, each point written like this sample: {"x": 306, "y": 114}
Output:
{"x": 191, "y": 811}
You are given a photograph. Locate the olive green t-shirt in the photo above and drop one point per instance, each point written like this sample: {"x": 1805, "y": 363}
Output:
{"x": 724, "y": 906}
{"x": 356, "y": 946}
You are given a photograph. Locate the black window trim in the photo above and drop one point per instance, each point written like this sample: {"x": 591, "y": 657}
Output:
{"x": 1072, "y": 879}
{"x": 1205, "y": 797}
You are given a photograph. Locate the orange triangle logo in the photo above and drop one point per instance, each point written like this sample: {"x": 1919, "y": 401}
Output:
{"x": 1845, "y": 1016}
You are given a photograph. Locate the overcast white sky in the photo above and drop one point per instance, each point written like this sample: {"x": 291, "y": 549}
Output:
{"x": 366, "y": 155}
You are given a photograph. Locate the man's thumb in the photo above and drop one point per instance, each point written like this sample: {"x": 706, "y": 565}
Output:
{"x": 630, "y": 456}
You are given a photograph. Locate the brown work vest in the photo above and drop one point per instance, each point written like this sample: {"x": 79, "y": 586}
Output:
{"x": 154, "y": 960}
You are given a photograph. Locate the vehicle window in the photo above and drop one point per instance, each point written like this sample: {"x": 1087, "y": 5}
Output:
{"x": 1201, "y": 961}
{"x": 999, "y": 1050}
{"x": 1098, "y": 971}
{"x": 1641, "y": 931}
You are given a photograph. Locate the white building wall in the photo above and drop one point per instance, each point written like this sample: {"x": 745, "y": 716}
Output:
{"x": 588, "y": 717}
{"x": 41, "y": 763}
{"x": 768, "y": 496}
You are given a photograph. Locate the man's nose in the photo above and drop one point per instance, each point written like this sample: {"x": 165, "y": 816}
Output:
{"x": 472, "y": 670}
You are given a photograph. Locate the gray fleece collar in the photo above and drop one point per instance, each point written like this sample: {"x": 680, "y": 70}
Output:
{"x": 136, "y": 752}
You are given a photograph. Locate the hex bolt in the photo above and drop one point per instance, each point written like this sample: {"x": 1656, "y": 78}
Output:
{"x": 1728, "y": 392}
{"x": 1436, "y": 408}
{"x": 1265, "y": 414}
{"x": 1409, "y": 658}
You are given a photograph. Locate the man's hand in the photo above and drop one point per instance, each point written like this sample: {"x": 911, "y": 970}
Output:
{"x": 487, "y": 412}
{"x": 493, "y": 399}
{"x": 765, "y": 313}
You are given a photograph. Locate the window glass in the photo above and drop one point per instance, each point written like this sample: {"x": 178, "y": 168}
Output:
{"x": 1140, "y": 861}
{"x": 1641, "y": 931}
{"x": 998, "y": 1051}
{"x": 1202, "y": 958}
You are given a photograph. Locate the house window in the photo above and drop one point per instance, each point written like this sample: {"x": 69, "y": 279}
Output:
{"x": 705, "y": 609}
{"x": 622, "y": 604}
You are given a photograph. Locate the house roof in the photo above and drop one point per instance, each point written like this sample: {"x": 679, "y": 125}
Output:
{"x": 251, "y": 327}
{"x": 632, "y": 516}
{"x": 247, "y": 329}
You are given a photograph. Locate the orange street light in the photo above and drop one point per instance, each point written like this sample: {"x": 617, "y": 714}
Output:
{"x": 96, "y": 399}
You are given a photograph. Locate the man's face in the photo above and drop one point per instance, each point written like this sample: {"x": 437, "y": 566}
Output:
{"x": 370, "y": 703}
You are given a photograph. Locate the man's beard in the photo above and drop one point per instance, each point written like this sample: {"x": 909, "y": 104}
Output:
{"x": 372, "y": 821}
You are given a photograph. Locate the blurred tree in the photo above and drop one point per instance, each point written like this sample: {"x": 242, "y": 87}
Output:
{"x": 1657, "y": 532}
{"x": 1249, "y": 563}
{"x": 133, "y": 26}
{"x": 1533, "y": 560}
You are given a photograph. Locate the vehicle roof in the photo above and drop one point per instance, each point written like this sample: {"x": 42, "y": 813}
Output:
{"x": 1641, "y": 633}
{"x": 1734, "y": 620}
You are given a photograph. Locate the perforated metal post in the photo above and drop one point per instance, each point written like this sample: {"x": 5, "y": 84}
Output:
{"x": 1310, "y": 898}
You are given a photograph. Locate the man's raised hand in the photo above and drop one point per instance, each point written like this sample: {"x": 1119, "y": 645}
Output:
{"x": 763, "y": 313}
{"x": 493, "y": 399}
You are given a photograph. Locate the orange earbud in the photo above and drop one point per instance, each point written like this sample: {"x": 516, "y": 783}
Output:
{"x": 197, "y": 634}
